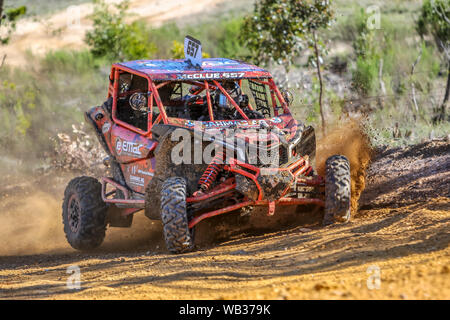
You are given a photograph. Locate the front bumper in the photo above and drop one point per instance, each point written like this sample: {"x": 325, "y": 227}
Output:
{"x": 267, "y": 183}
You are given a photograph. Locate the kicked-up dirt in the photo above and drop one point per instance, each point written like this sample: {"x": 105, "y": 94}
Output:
{"x": 395, "y": 247}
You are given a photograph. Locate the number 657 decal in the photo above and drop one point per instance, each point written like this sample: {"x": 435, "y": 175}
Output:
{"x": 193, "y": 51}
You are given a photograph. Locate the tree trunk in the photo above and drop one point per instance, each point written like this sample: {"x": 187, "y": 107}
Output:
{"x": 316, "y": 51}
{"x": 413, "y": 86}
{"x": 382, "y": 86}
{"x": 443, "y": 115}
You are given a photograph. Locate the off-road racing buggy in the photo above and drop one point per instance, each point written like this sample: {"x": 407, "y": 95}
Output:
{"x": 192, "y": 139}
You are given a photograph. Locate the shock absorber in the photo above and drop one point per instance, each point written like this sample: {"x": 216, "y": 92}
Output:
{"x": 210, "y": 174}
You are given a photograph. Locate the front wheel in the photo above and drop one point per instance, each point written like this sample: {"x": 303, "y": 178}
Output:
{"x": 337, "y": 190}
{"x": 178, "y": 237}
{"x": 84, "y": 213}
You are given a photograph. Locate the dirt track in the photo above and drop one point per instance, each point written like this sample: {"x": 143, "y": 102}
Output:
{"x": 402, "y": 229}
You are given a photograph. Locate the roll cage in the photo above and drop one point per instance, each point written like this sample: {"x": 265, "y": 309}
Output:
{"x": 154, "y": 100}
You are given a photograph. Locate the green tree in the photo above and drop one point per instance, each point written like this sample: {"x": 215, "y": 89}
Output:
{"x": 279, "y": 30}
{"x": 115, "y": 39}
{"x": 8, "y": 19}
{"x": 228, "y": 42}
{"x": 434, "y": 20}
{"x": 368, "y": 52}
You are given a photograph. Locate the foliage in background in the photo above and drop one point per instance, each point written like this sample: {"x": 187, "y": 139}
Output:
{"x": 391, "y": 112}
{"x": 8, "y": 20}
{"x": 177, "y": 50}
{"x": 435, "y": 20}
{"x": 278, "y": 30}
{"x": 384, "y": 59}
{"x": 367, "y": 49}
{"x": 229, "y": 44}
{"x": 112, "y": 37}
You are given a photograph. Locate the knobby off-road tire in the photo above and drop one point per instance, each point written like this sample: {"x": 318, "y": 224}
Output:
{"x": 84, "y": 213}
{"x": 179, "y": 238}
{"x": 337, "y": 190}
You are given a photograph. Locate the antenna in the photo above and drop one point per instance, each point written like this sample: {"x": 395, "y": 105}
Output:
{"x": 193, "y": 51}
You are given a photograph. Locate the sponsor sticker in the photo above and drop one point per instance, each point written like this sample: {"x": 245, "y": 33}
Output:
{"x": 230, "y": 123}
{"x": 212, "y": 75}
{"x": 139, "y": 181}
{"x": 146, "y": 173}
{"x": 119, "y": 147}
{"x": 128, "y": 148}
{"x": 276, "y": 120}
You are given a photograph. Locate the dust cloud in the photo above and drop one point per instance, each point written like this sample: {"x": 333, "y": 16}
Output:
{"x": 31, "y": 223}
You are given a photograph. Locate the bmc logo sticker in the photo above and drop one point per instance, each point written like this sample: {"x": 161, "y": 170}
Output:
{"x": 127, "y": 147}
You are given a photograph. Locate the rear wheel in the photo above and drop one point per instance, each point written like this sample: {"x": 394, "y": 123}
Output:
{"x": 84, "y": 213}
{"x": 178, "y": 237}
{"x": 337, "y": 190}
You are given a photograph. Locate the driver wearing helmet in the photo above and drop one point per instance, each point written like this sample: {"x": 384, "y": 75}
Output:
{"x": 235, "y": 92}
{"x": 192, "y": 96}
{"x": 193, "y": 91}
